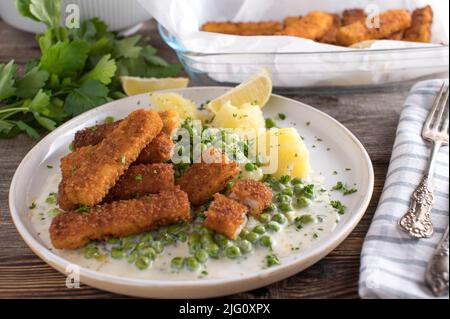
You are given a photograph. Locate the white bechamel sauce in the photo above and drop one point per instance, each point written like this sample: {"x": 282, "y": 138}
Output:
{"x": 288, "y": 241}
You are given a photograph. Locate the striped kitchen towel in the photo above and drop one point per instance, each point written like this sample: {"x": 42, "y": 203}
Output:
{"x": 392, "y": 263}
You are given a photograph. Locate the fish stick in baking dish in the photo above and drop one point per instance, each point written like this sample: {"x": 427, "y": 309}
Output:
{"x": 350, "y": 16}
{"x": 420, "y": 30}
{"x": 391, "y": 21}
{"x": 202, "y": 180}
{"x": 330, "y": 36}
{"x": 123, "y": 218}
{"x": 101, "y": 167}
{"x": 253, "y": 194}
{"x": 143, "y": 179}
{"x": 243, "y": 28}
{"x": 312, "y": 26}
{"x": 225, "y": 216}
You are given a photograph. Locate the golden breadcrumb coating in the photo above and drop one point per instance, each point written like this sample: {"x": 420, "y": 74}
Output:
{"x": 98, "y": 171}
{"x": 143, "y": 179}
{"x": 159, "y": 150}
{"x": 420, "y": 30}
{"x": 312, "y": 26}
{"x": 330, "y": 35}
{"x": 225, "y": 216}
{"x": 353, "y": 15}
{"x": 243, "y": 28}
{"x": 391, "y": 21}
{"x": 123, "y": 218}
{"x": 171, "y": 121}
{"x": 291, "y": 20}
{"x": 253, "y": 194}
{"x": 202, "y": 180}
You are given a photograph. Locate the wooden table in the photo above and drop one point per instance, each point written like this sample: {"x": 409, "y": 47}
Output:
{"x": 372, "y": 117}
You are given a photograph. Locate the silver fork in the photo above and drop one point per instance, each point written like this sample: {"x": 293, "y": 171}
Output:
{"x": 417, "y": 220}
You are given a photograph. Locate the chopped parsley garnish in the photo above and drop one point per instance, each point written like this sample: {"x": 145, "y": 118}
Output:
{"x": 49, "y": 166}
{"x": 272, "y": 260}
{"x": 83, "y": 209}
{"x": 51, "y": 198}
{"x": 71, "y": 148}
{"x": 336, "y": 204}
{"x": 348, "y": 169}
{"x": 270, "y": 123}
{"x": 254, "y": 103}
{"x": 33, "y": 205}
{"x": 335, "y": 172}
{"x": 138, "y": 178}
{"x": 282, "y": 116}
{"x": 109, "y": 120}
{"x": 54, "y": 212}
{"x": 344, "y": 188}
{"x": 308, "y": 123}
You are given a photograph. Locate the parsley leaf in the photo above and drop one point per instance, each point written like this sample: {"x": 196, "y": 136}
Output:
{"x": 7, "y": 73}
{"x": 128, "y": 47}
{"x": 28, "y": 129}
{"x": 103, "y": 71}
{"x": 65, "y": 58}
{"x": 31, "y": 83}
{"x": 46, "y": 11}
{"x": 90, "y": 94}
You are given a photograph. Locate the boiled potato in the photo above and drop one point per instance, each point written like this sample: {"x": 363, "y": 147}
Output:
{"x": 245, "y": 117}
{"x": 173, "y": 101}
{"x": 286, "y": 152}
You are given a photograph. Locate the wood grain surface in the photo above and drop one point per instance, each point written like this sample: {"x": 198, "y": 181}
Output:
{"x": 372, "y": 117}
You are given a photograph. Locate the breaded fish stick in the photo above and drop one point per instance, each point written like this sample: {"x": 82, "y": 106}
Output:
{"x": 253, "y": 194}
{"x": 330, "y": 35}
{"x": 143, "y": 179}
{"x": 353, "y": 15}
{"x": 159, "y": 150}
{"x": 123, "y": 218}
{"x": 69, "y": 164}
{"x": 225, "y": 216}
{"x": 202, "y": 180}
{"x": 243, "y": 28}
{"x": 291, "y": 20}
{"x": 100, "y": 169}
{"x": 171, "y": 121}
{"x": 391, "y": 21}
{"x": 312, "y": 26}
{"x": 420, "y": 30}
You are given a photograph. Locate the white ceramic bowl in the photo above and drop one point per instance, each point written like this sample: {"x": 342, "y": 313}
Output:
{"x": 118, "y": 14}
{"x": 345, "y": 151}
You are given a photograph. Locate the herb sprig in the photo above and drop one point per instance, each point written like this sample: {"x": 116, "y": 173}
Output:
{"x": 79, "y": 69}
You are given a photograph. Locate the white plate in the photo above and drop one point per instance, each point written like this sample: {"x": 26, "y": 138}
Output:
{"x": 338, "y": 150}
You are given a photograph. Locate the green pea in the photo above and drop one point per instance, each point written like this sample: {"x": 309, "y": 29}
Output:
{"x": 212, "y": 249}
{"x": 249, "y": 167}
{"x": 128, "y": 245}
{"x": 117, "y": 253}
{"x": 157, "y": 246}
{"x": 142, "y": 262}
{"x": 233, "y": 252}
{"x": 279, "y": 218}
{"x": 146, "y": 237}
{"x": 285, "y": 179}
{"x": 264, "y": 218}
{"x": 207, "y": 238}
{"x": 141, "y": 245}
{"x": 305, "y": 219}
{"x": 148, "y": 252}
{"x": 193, "y": 239}
{"x": 113, "y": 241}
{"x": 132, "y": 257}
{"x": 282, "y": 198}
{"x": 272, "y": 207}
{"x": 201, "y": 256}
{"x": 91, "y": 252}
{"x": 244, "y": 232}
{"x": 298, "y": 190}
{"x": 177, "y": 262}
{"x": 266, "y": 241}
{"x": 166, "y": 238}
{"x": 245, "y": 246}
{"x": 287, "y": 191}
{"x": 259, "y": 229}
{"x": 221, "y": 240}
{"x": 191, "y": 263}
{"x": 174, "y": 229}
{"x": 303, "y": 202}
{"x": 285, "y": 207}
{"x": 273, "y": 226}
{"x": 182, "y": 236}
{"x": 252, "y": 237}
{"x": 296, "y": 181}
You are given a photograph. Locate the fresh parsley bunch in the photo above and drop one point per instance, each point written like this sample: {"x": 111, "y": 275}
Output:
{"x": 78, "y": 70}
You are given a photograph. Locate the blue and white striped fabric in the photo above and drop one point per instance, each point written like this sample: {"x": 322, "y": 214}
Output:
{"x": 392, "y": 263}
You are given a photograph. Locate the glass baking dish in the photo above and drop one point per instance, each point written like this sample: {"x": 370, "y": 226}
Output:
{"x": 299, "y": 72}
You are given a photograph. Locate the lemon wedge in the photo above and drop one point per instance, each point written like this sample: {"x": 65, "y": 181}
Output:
{"x": 135, "y": 85}
{"x": 256, "y": 91}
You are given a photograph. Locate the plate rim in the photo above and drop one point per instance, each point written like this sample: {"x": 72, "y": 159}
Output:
{"x": 320, "y": 251}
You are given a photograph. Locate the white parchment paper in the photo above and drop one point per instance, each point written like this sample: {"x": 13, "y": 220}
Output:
{"x": 183, "y": 19}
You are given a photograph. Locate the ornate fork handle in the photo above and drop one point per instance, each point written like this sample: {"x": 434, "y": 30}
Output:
{"x": 417, "y": 220}
{"x": 437, "y": 271}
